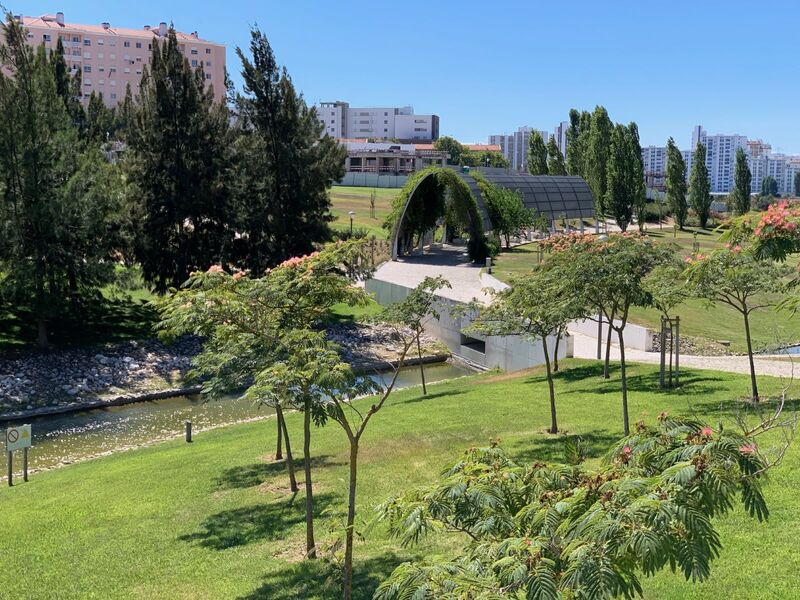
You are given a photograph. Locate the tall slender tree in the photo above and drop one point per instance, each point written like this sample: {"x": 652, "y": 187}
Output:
{"x": 676, "y": 183}
{"x": 577, "y": 137}
{"x": 537, "y": 154}
{"x": 636, "y": 183}
{"x": 180, "y": 169}
{"x": 769, "y": 187}
{"x": 797, "y": 184}
{"x": 597, "y": 153}
{"x": 700, "y": 186}
{"x": 618, "y": 200}
{"x": 741, "y": 184}
{"x": 286, "y": 169}
{"x": 555, "y": 160}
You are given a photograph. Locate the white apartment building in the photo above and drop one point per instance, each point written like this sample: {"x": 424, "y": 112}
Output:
{"x": 514, "y": 146}
{"x": 340, "y": 120}
{"x": 780, "y": 167}
{"x": 110, "y": 58}
{"x": 720, "y": 157}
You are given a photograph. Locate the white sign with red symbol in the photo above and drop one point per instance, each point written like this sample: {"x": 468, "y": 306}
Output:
{"x": 18, "y": 438}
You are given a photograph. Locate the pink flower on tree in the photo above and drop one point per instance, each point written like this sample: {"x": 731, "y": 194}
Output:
{"x": 215, "y": 269}
{"x": 707, "y": 431}
{"x": 747, "y": 449}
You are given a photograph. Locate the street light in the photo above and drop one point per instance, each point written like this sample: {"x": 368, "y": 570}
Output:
{"x": 352, "y": 214}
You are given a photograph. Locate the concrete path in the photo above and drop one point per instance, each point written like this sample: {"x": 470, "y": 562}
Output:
{"x": 586, "y": 347}
{"x": 451, "y": 262}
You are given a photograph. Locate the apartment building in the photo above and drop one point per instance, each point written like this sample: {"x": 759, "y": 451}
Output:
{"x": 110, "y": 58}
{"x": 720, "y": 157}
{"x": 514, "y": 146}
{"x": 340, "y": 120}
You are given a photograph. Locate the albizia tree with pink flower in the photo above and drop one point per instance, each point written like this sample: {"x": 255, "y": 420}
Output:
{"x": 532, "y": 530}
{"x": 736, "y": 277}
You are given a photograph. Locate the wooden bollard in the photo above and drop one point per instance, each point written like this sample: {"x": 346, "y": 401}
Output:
{"x": 188, "y": 431}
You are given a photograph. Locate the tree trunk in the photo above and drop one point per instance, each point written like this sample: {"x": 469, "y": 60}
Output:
{"x": 41, "y": 337}
{"x": 278, "y": 450}
{"x": 351, "y": 518}
{"x": 553, "y": 421}
{"x": 625, "y": 420}
{"x": 606, "y": 373}
{"x": 289, "y": 459}
{"x": 311, "y": 550}
{"x": 555, "y": 351}
{"x": 750, "y": 357}
{"x": 421, "y": 367}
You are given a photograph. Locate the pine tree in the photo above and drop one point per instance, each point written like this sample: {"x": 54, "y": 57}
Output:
{"x": 68, "y": 87}
{"x": 596, "y": 156}
{"x": 676, "y": 183}
{"x": 555, "y": 160}
{"x": 99, "y": 120}
{"x": 741, "y": 185}
{"x": 286, "y": 167}
{"x": 699, "y": 186}
{"x": 180, "y": 169}
{"x": 537, "y": 154}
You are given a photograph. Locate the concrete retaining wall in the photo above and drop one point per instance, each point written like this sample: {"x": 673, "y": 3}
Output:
{"x": 636, "y": 336}
{"x": 510, "y": 353}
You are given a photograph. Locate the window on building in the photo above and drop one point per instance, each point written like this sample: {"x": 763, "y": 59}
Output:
{"x": 112, "y": 56}
{"x": 112, "y": 69}
{"x": 208, "y": 75}
{"x": 87, "y": 55}
{"x": 100, "y": 42}
{"x": 99, "y": 55}
{"x": 87, "y": 42}
{"x": 76, "y": 52}
{"x": 138, "y": 71}
{"x": 138, "y": 59}
{"x": 126, "y": 44}
{"x": 101, "y": 81}
{"x": 208, "y": 50}
{"x": 87, "y": 82}
{"x": 113, "y": 42}
{"x": 126, "y": 70}
{"x": 112, "y": 82}
{"x": 194, "y": 50}
{"x": 75, "y": 39}
{"x": 208, "y": 63}
{"x": 101, "y": 69}
{"x": 113, "y": 95}
{"x": 194, "y": 63}
{"x": 138, "y": 44}
{"x": 87, "y": 68}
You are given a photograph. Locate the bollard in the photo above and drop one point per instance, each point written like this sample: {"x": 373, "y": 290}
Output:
{"x": 489, "y": 265}
{"x": 188, "y": 431}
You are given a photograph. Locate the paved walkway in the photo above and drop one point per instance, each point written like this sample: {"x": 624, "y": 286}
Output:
{"x": 586, "y": 347}
{"x": 451, "y": 262}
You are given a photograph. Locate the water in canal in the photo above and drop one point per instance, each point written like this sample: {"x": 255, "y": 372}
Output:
{"x": 74, "y": 436}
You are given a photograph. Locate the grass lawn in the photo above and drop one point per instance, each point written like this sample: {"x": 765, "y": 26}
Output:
{"x": 214, "y": 519}
{"x": 357, "y": 199}
{"x": 770, "y": 328}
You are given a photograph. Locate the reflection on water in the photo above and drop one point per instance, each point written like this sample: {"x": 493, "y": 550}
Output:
{"x": 793, "y": 350}
{"x": 69, "y": 437}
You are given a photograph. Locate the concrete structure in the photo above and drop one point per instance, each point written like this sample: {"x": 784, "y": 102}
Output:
{"x": 385, "y": 157}
{"x": 514, "y": 146}
{"x": 343, "y": 121}
{"x": 110, "y": 58}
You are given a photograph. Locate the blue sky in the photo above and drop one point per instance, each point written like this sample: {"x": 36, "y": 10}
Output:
{"x": 489, "y": 67}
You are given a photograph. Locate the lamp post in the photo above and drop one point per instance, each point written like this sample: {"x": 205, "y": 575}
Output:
{"x": 351, "y": 213}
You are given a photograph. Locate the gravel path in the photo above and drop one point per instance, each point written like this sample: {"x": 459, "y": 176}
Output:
{"x": 586, "y": 347}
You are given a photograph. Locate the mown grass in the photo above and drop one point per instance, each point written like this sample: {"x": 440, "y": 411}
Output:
{"x": 357, "y": 199}
{"x": 214, "y": 519}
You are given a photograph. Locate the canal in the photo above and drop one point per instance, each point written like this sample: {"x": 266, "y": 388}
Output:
{"x": 66, "y": 438}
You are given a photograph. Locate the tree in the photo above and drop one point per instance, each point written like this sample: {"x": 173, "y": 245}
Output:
{"x": 100, "y": 120}
{"x": 797, "y": 184}
{"x": 596, "y": 156}
{"x": 676, "y": 183}
{"x": 59, "y": 201}
{"x": 261, "y": 335}
{"x": 734, "y": 276}
{"x": 619, "y": 199}
{"x": 342, "y": 409}
{"x": 555, "y": 160}
{"x": 577, "y": 140}
{"x": 636, "y": 183}
{"x": 537, "y": 306}
{"x": 700, "y": 186}
{"x": 607, "y": 276}
{"x": 507, "y": 212}
{"x": 285, "y": 167}
{"x": 453, "y": 147}
{"x": 741, "y": 184}
{"x": 180, "y": 167}
{"x": 68, "y": 87}
{"x": 414, "y": 312}
{"x": 532, "y": 530}
{"x": 537, "y": 154}
{"x": 769, "y": 187}
{"x": 485, "y": 158}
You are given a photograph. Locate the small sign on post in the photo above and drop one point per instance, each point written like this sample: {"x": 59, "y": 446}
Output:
{"x": 18, "y": 438}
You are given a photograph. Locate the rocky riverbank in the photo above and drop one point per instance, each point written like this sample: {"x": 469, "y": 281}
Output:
{"x": 80, "y": 376}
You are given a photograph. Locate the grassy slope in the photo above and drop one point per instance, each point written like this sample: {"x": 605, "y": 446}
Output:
{"x": 345, "y": 199}
{"x": 769, "y": 328}
{"x": 214, "y": 519}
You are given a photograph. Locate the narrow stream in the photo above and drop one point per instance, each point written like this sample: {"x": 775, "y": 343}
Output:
{"x": 62, "y": 439}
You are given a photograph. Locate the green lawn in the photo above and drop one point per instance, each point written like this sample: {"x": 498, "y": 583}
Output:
{"x": 214, "y": 519}
{"x": 770, "y": 328}
{"x": 357, "y": 199}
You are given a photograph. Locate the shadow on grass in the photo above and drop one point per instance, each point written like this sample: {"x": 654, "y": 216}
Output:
{"x": 552, "y": 448}
{"x": 319, "y": 579}
{"x": 422, "y": 398}
{"x": 696, "y": 382}
{"x": 247, "y": 476}
{"x": 242, "y": 526}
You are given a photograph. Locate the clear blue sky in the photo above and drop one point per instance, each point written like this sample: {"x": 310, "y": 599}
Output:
{"x": 489, "y": 67}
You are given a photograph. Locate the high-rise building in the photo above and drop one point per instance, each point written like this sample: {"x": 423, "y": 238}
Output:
{"x": 720, "y": 157}
{"x": 343, "y": 121}
{"x": 654, "y": 161}
{"x": 514, "y": 146}
{"x": 110, "y": 58}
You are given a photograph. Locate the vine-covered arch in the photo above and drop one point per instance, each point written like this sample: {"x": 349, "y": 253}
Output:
{"x": 428, "y": 196}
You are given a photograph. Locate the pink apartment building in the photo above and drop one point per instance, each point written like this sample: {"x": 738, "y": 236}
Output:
{"x": 109, "y": 58}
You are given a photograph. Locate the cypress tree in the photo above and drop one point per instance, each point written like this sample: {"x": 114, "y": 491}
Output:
{"x": 797, "y": 184}
{"x": 577, "y": 139}
{"x": 741, "y": 185}
{"x": 286, "y": 167}
{"x": 676, "y": 183}
{"x": 596, "y": 156}
{"x": 769, "y": 187}
{"x": 537, "y": 154}
{"x": 555, "y": 160}
{"x": 179, "y": 165}
{"x": 636, "y": 184}
{"x": 618, "y": 201}
{"x": 699, "y": 186}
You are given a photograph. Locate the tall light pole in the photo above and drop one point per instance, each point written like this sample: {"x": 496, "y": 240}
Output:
{"x": 352, "y": 214}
